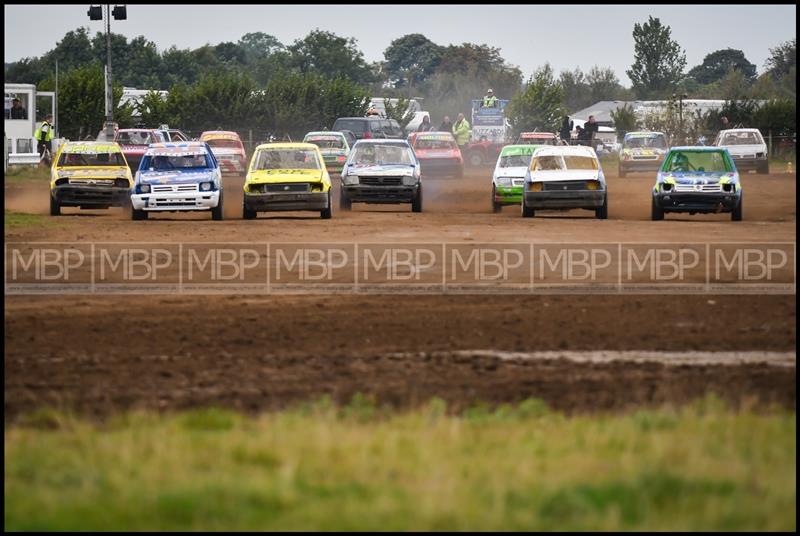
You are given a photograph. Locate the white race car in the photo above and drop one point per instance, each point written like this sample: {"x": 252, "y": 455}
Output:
{"x": 565, "y": 177}
{"x": 747, "y": 147}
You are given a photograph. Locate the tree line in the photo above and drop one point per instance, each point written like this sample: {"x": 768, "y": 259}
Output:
{"x": 232, "y": 82}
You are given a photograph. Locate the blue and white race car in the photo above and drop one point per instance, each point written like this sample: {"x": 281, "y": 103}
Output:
{"x": 697, "y": 179}
{"x": 175, "y": 177}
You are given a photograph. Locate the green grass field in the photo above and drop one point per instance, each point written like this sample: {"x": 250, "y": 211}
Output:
{"x": 27, "y": 173}
{"x": 13, "y": 220}
{"x": 358, "y": 467}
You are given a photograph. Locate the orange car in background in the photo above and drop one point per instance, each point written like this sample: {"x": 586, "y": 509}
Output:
{"x": 228, "y": 150}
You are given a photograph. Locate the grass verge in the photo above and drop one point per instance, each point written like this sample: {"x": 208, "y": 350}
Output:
{"x": 27, "y": 173}
{"x": 22, "y": 219}
{"x": 702, "y": 467}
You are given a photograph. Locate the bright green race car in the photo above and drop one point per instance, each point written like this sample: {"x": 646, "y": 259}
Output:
{"x": 509, "y": 175}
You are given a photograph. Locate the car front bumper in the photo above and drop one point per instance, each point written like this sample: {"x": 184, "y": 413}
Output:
{"x": 640, "y": 165}
{"x": 71, "y": 195}
{"x": 697, "y": 202}
{"x": 286, "y": 201}
{"x": 176, "y": 201}
{"x": 565, "y": 199}
{"x": 380, "y": 194}
{"x": 749, "y": 163}
{"x": 440, "y": 167}
{"x": 508, "y": 195}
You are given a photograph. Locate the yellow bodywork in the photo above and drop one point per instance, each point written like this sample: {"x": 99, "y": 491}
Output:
{"x": 318, "y": 178}
{"x": 97, "y": 173}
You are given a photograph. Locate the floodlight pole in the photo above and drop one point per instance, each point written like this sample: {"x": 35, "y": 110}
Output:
{"x": 109, "y": 85}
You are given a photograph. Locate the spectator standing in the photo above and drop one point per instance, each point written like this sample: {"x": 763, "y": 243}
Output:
{"x": 446, "y": 125}
{"x": 462, "y": 132}
{"x": 426, "y": 125}
{"x": 18, "y": 111}
{"x": 566, "y": 129}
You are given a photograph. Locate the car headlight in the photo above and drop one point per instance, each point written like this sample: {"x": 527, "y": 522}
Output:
{"x": 121, "y": 183}
{"x": 505, "y": 182}
{"x": 144, "y": 188}
{"x": 409, "y": 180}
{"x": 592, "y": 185}
{"x": 534, "y": 186}
{"x": 759, "y": 155}
{"x": 350, "y": 179}
{"x": 666, "y": 187}
{"x": 206, "y": 186}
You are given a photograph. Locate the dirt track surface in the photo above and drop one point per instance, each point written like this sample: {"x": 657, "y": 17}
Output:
{"x": 101, "y": 354}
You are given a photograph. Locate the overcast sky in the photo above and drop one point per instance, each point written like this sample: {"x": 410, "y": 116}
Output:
{"x": 528, "y": 36}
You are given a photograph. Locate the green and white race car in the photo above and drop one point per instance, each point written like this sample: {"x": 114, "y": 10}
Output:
{"x": 509, "y": 175}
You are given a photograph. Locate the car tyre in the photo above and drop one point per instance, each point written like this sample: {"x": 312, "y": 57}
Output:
{"x": 657, "y": 213}
{"x": 763, "y": 169}
{"x": 344, "y": 201}
{"x": 326, "y": 213}
{"x": 527, "y": 212}
{"x": 248, "y": 214}
{"x": 496, "y": 207}
{"x": 55, "y": 207}
{"x": 475, "y": 159}
{"x": 601, "y": 212}
{"x": 216, "y": 212}
{"x": 416, "y": 203}
{"x": 736, "y": 214}
{"x": 138, "y": 215}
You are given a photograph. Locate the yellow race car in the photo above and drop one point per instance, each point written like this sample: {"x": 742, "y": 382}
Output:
{"x": 287, "y": 176}
{"x": 89, "y": 174}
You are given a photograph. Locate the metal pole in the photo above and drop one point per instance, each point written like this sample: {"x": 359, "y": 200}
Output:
{"x": 110, "y": 86}
{"x": 55, "y": 126}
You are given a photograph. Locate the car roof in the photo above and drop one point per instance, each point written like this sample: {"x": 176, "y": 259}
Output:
{"x": 287, "y": 145}
{"x": 219, "y": 133}
{"x": 698, "y": 148}
{"x": 523, "y": 147}
{"x": 643, "y": 133}
{"x": 573, "y": 150}
{"x": 538, "y": 135}
{"x": 740, "y": 130}
{"x": 104, "y": 146}
{"x": 179, "y": 145}
{"x": 325, "y": 133}
{"x": 139, "y": 130}
{"x": 383, "y": 141}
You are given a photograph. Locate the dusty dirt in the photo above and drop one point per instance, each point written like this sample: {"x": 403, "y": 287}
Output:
{"x": 101, "y": 354}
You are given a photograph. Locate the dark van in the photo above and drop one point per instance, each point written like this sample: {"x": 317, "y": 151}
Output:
{"x": 370, "y": 127}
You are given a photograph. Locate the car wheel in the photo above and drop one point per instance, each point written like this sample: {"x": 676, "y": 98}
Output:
{"x": 55, "y": 207}
{"x": 416, "y": 203}
{"x": 496, "y": 207}
{"x": 601, "y": 213}
{"x": 216, "y": 212}
{"x": 475, "y": 159}
{"x": 344, "y": 201}
{"x": 248, "y": 214}
{"x": 527, "y": 212}
{"x": 736, "y": 215}
{"x": 137, "y": 215}
{"x": 326, "y": 214}
{"x": 657, "y": 213}
{"x": 763, "y": 169}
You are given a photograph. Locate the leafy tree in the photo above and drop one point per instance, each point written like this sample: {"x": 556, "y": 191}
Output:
{"x": 81, "y": 102}
{"x": 733, "y": 86}
{"x": 411, "y": 59}
{"x": 624, "y": 119}
{"x": 604, "y": 84}
{"x": 230, "y": 53}
{"x": 539, "y": 106}
{"x": 257, "y": 45}
{"x": 658, "y": 60}
{"x": 719, "y": 63}
{"x": 782, "y": 58}
{"x": 400, "y": 112}
{"x": 577, "y": 94}
{"x": 329, "y": 55}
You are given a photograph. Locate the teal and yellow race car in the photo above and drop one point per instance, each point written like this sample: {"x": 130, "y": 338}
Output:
{"x": 509, "y": 175}
{"x": 333, "y": 146}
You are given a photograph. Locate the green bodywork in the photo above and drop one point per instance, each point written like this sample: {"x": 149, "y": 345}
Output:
{"x": 511, "y": 195}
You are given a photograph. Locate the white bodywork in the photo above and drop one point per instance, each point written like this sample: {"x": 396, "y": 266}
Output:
{"x": 566, "y": 174}
{"x": 742, "y": 150}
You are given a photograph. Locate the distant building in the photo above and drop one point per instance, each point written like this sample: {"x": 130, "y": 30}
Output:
{"x": 602, "y": 110}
